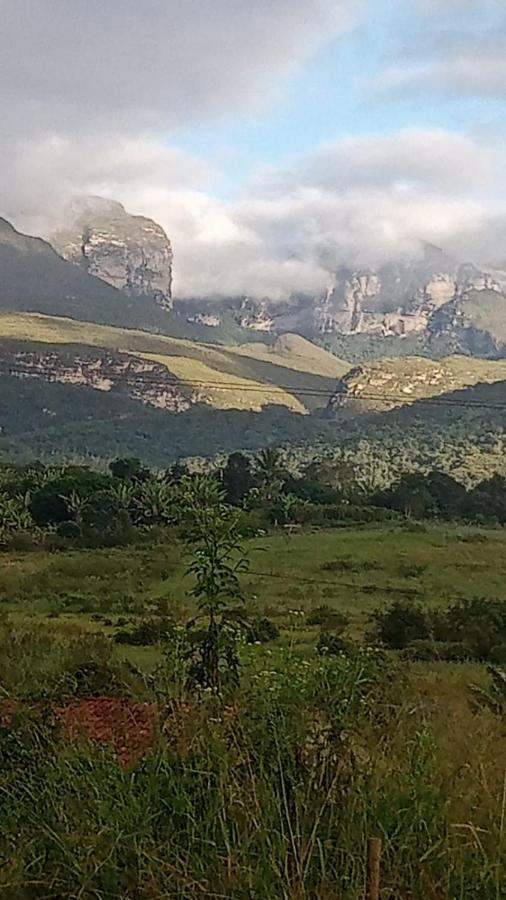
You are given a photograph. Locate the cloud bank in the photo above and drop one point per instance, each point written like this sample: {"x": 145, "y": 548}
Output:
{"x": 94, "y": 97}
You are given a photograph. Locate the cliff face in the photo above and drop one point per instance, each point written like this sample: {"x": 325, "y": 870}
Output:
{"x": 429, "y": 295}
{"x": 130, "y": 253}
{"x": 150, "y": 383}
{"x": 398, "y": 299}
{"x": 389, "y": 383}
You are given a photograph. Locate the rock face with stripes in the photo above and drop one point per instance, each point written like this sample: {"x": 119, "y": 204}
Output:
{"x": 131, "y": 253}
{"x": 145, "y": 381}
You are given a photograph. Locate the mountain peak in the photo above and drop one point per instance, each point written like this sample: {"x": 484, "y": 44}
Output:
{"x": 131, "y": 253}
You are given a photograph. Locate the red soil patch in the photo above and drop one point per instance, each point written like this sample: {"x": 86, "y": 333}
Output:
{"x": 8, "y": 709}
{"x": 129, "y": 727}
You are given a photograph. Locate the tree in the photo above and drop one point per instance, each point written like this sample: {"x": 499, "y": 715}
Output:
{"x": 14, "y": 516}
{"x": 100, "y": 516}
{"x": 488, "y": 499}
{"x": 338, "y": 475}
{"x": 237, "y": 478}
{"x": 128, "y": 469}
{"x": 420, "y": 496}
{"x": 154, "y": 502}
{"x": 55, "y": 502}
{"x": 218, "y": 560}
{"x": 271, "y": 471}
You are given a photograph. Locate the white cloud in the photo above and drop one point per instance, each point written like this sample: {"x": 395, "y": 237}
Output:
{"x": 458, "y": 49}
{"x": 359, "y": 201}
{"x": 295, "y": 226}
{"x": 471, "y": 73}
{"x": 93, "y": 95}
{"x": 143, "y": 64}
{"x": 415, "y": 157}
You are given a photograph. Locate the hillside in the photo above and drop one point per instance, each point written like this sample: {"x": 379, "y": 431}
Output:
{"x": 33, "y": 277}
{"x": 388, "y": 383}
{"x": 462, "y": 433}
{"x": 292, "y": 373}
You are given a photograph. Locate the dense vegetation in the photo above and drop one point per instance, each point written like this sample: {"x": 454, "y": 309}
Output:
{"x": 53, "y": 504}
{"x": 224, "y": 709}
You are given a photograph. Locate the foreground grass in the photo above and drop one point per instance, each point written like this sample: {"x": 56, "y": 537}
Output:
{"x": 274, "y": 790}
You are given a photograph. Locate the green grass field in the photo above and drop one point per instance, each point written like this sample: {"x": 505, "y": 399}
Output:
{"x": 293, "y": 372}
{"x": 353, "y": 570}
{"x": 273, "y": 790}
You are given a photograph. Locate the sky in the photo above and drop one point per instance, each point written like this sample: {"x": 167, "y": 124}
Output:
{"x": 275, "y": 141}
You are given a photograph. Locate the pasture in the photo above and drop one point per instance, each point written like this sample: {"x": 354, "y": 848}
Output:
{"x": 116, "y": 782}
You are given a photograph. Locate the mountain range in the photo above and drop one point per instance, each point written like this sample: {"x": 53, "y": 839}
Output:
{"x": 108, "y": 266}
{"x": 98, "y": 357}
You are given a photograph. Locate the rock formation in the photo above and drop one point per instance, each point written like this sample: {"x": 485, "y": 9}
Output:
{"x": 150, "y": 383}
{"x": 130, "y": 253}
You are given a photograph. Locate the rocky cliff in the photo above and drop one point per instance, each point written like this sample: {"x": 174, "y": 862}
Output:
{"x": 389, "y": 383}
{"x": 427, "y": 296}
{"x": 150, "y": 383}
{"x": 131, "y": 253}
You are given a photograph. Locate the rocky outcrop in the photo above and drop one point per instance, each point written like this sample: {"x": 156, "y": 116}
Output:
{"x": 149, "y": 383}
{"x": 399, "y": 299}
{"x": 210, "y": 320}
{"x": 411, "y": 297}
{"x": 130, "y": 253}
{"x": 389, "y": 383}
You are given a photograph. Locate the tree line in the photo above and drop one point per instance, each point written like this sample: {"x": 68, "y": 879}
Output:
{"x": 79, "y": 504}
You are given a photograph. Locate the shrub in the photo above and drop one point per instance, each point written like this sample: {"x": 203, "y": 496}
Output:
{"x": 94, "y": 679}
{"x": 478, "y": 622}
{"x": 421, "y": 651}
{"x": 400, "y": 624}
{"x": 328, "y": 618}
{"x": 348, "y": 564}
{"x": 410, "y": 570}
{"x": 332, "y": 644}
{"x": 148, "y": 632}
{"x": 69, "y": 529}
{"x": 427, "y": 651}
{"x": 498, "y": 654}
{"x": 261, "y": 631}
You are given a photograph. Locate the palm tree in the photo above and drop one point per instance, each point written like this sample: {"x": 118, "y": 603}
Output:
{"x": 270, "y": 467}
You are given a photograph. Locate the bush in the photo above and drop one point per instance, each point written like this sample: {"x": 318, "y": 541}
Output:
{"x": 95, "y": 679}
{"x": 498, "y": 654}
{"x": 409, "y": 570}
{"x": 349, "y": 564}
{"x": 400, "y": 624}
{"x": 261, "y": 631}
{"x": 345, "y": 513}
{"x": 328, "y": 618}
{"x": 148, "y": 632}
{"x": 69, "y": 530}
{"x": 332, "y": 644}
{"x": 428, "y": 651}
{"x": 478, "y": 622}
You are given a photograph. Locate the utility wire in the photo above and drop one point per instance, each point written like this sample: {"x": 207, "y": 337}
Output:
{"x": 172, "y": 381}
{"x": 364, "y": 588}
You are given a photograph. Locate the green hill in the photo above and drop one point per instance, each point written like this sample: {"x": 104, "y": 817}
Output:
{"x": 292, "y": 373}
{"x": 387, "y": 383}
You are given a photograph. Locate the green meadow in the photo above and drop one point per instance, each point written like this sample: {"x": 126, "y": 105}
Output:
{"x": 117, "y": 782}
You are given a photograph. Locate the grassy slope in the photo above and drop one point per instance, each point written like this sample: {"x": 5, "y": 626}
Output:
{"x": 283, "y": 374}
{"x": 308, "y": 753}
{"x": 397, "y": 382}
{"x": 438, "y": 564}
{"x": 486, "y": 311}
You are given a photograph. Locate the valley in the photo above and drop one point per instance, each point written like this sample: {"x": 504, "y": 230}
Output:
{"x": 252, "y": 450}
